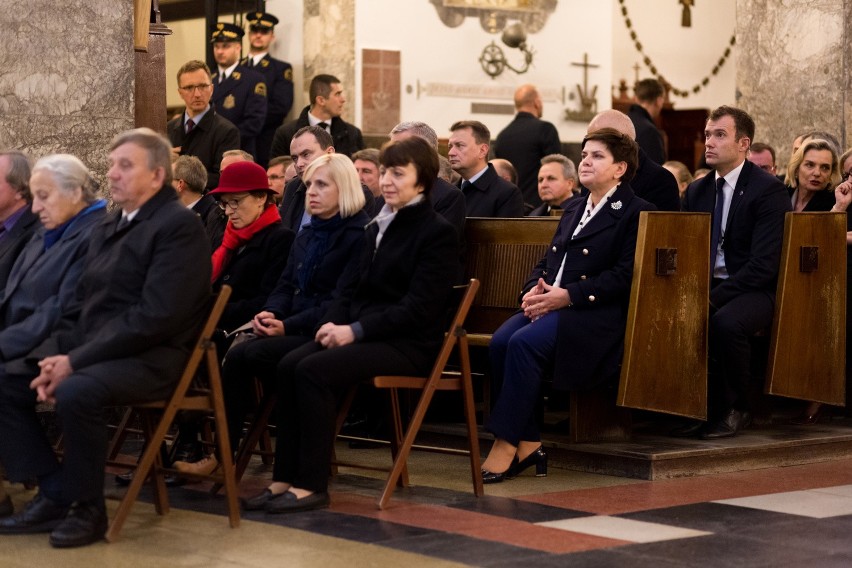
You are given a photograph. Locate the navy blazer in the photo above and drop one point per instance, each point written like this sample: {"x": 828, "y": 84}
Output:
{"x": 598, "y": 274}
{"x": 207, "y": 141}
{"x": 15, "y": 240}
{"x": 301, "y": 309}
{"x": 241, "y": 98}
{"x": 754, "y": 231}
{"x": 492, "y": 196}
{"x": 41, "y": 286}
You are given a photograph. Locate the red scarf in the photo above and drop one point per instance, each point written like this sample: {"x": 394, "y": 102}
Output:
{"x": 235, "y": 238}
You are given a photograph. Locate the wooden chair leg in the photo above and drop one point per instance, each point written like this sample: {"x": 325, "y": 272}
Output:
{"x": 397, "y": 434}
{"x": 470, "y": 418}
{"x": 224, "y": 444}
{"x": 342, "y": 412}
{"x": 120, "y": 435}
{"x": 161, "y": 497}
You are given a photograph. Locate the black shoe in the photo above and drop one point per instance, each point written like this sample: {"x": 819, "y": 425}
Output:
{"x": 691, "y": 429}
{"x": 6, "y": 507}
{"x": 85, "y": 523}
{"x": 259, "y": 501}
{"x": 172, "y": 480}
{"x": 489, "y": 477}
{"x": 288, "y": 503}
{"x": 189, "y": 452}
{"x": 729, "y": 426}
{"x": 537, "y": 458}
{"x": 39, "y": 515}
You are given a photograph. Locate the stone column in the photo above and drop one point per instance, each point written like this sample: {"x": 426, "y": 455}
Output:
{"x": 793, "y": 69}
{"x": 329, "y": 44}
{"x": 66, "y": 77}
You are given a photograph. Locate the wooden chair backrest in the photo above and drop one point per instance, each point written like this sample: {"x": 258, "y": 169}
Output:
{"x": 808, "y": 341}
{"x": 664, "y": 368}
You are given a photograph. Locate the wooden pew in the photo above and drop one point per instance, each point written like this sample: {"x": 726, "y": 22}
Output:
{"x": 808, "y": 341}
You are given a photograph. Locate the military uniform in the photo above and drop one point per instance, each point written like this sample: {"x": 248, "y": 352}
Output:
{"x": 241, "y": 98}
{"x": 278, "y": 76}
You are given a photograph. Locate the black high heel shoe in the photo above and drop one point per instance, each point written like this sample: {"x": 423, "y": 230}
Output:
{"x": 494, "y": 477}
{"x": 538, "y": 457}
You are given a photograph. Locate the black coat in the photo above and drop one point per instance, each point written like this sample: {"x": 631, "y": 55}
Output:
{"x": 42, "y": 285}
{"x": 753, "y": 234}
{"x": 820, "y": 201}
{"x": 647, "y": 135}
{"x": 213, "y": 219}
{"x": 278, "y": 76}
{"x": 492, "y": 196}
{"x": 252, "y": 274}
{"x": 241, "y": 98}
{"x": 15, "y": 240}
{"x": 598, "y": 275}
{"x": 544, "y": 209}
{"x": 301, "y": 309}
{"x": 209, "y": 139}
{"x": 399, "y": 291}
{"x": 524, "y": 142}
{"x": 347, "y": 137}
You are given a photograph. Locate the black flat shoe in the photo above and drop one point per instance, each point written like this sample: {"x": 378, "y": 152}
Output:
{"x": 171, "y": 480}
{"x": 259, "y": 501}
{"x": 729, "y": 426}
{"x": 85, "y": 523}
{"x": 39, "y": 515}
{"x": 288, "y": 503}
{"x": 537, "y": 458}
{"x": 495, "y": 477}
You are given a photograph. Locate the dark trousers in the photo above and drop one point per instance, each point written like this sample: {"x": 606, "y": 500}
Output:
{"x": 521, "y": 353}
{"x": 81, "y": 403}
{"x": 312, "y": 383}
{"x": 731, "y": 329}
{"x": 256, "y": 358}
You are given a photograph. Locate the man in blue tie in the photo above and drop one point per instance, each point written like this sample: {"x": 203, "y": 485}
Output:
{"x": 748, "y": 206}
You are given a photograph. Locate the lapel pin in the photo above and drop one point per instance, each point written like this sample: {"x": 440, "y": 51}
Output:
{"x": 615, "y": 205}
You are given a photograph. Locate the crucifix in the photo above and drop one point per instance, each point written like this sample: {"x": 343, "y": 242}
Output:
{"x": 686, "y": 15}
{"x": 636, "y": 69}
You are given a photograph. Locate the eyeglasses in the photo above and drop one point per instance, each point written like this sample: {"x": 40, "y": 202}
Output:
{"x": 193, "y": 88}
{"x": 273, "y": 177}
{"x": 224, "y": 204}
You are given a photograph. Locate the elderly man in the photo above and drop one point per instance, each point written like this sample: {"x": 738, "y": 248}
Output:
{"x": 199, "y": 131}
{"x": 17, "y": 221}
{"x": 143, "y": 294}
{"x": 557, "y": 183}
{"x": 189, "y": 179}
{"x": 367, "y": 165}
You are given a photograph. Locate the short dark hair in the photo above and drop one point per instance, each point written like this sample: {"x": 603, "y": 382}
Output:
{"x": 368, "y": 155}
{"x": 417, "y": 152}
{"x": 19, "y": 172}
{"x": 323, "y": 137}
{"x": 621, "y": 146}
{"x": 190, "y": 66}
{"x": 648, "y": 90}
{"x": 480, "y": 132}
{"x": 743, "y": 122}
{"x": 321, "y": 86}
{"x": 761, "y": 147}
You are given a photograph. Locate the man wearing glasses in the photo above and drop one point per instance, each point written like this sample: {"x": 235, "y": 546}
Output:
{"x": 200, "y": 132}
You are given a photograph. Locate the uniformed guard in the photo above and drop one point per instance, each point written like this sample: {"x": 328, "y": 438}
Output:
{"x": 239, "y": 93}
{"x": 277, "y": 74}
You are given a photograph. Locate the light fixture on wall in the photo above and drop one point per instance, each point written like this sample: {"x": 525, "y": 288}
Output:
{"x": 494, "y": 61}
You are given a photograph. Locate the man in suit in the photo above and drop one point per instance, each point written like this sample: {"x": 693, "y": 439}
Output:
{"x": 748, "y": 206}
{"x": 277, "y": 74}
{"x": 142, "y": 296}
{"x": 189, "y": 179}
{"x": 325, "y": 110}
{"x": 557, "y": 183}
{"x": 526, "y": 140}
{"x": 763, "y": 156}
{"x": 486, "y": 194}
{"x": 17, "y": 221}
{"x": 652, "y": 182}
{"x": 239, "y": 93}
{"x": 200, "y": 132}
{"x": 650, "y": 97}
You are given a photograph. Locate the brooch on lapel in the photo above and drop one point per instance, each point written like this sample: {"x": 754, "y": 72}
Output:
{"x": 615, "y": 205}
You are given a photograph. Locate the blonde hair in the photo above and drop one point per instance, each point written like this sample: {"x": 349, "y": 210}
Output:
{"x": 350, "y": 195}
{"x": 799, "y": 157}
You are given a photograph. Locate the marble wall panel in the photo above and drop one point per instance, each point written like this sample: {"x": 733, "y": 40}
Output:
{"x": 66, "y": 76}
{"x": 329, "y": 45}
{"x": 792, "y": 68}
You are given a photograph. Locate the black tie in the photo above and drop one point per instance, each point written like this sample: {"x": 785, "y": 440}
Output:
{"x": 189, "y": 125}
{"x": 323, "y": 125}
{"x": 465, "y": 185}
{"x": 716, "y": 232}
{"x": 125, "y": 220}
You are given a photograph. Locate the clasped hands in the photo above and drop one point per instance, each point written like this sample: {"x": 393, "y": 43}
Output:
{"x": 265, "y": 324}
{"x": 54, "y": 370}
{"x": 543, "y": 298}
{"x": 333, "y": 335}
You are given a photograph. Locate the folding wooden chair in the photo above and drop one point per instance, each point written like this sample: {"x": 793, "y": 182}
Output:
{"x": 186, "y": 397}
{"x": 402, "y": 441}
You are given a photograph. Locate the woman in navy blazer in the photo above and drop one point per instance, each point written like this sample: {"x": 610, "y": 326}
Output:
{"x": 573, "y": 308}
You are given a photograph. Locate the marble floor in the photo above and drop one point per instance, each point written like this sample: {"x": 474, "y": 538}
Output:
{"x": 786, "y": 516}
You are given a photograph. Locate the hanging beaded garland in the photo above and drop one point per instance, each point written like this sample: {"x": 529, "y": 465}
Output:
{"x": 650, "y": 64}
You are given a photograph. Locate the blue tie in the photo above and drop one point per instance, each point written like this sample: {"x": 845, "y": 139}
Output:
{"x": 716, "y": 232}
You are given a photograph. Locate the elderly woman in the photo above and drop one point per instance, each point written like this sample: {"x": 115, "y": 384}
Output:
{"x": 43, "y": 279}
{"x": 384, "y": 323}
{"x": 573, "y": 308}
{"x": 322, "y": 251}
{"x": 812, "y": 174}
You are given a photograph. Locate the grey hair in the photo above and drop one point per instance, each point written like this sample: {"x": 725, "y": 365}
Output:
{"x": 158, "y": 148}
{"x": 569, "y": 170}
{"x": 419, "y": 129}
{"x": 69, "y": 173}
{"x": 19, "y": 172}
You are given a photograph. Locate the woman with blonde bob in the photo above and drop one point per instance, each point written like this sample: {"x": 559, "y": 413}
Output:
{"x": 812, "y": 174}
{"x": 322, "y": 252}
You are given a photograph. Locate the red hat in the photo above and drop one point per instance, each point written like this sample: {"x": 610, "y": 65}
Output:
{"x": 243, "y": 176}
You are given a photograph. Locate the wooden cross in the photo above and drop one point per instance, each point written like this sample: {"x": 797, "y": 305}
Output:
{"x": 686, "y": 16}
{"x": 585, "y": 65}
{"x": 636, "y": 68}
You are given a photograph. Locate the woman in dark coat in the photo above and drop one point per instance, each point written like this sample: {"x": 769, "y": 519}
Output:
{"x": 574, "y": 306}
{"x": 383, "y": 324}
{"x": 813, "y": 173}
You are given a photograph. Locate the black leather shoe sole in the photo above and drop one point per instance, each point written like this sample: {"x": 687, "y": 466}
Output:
{"x": 287, "y": 503}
